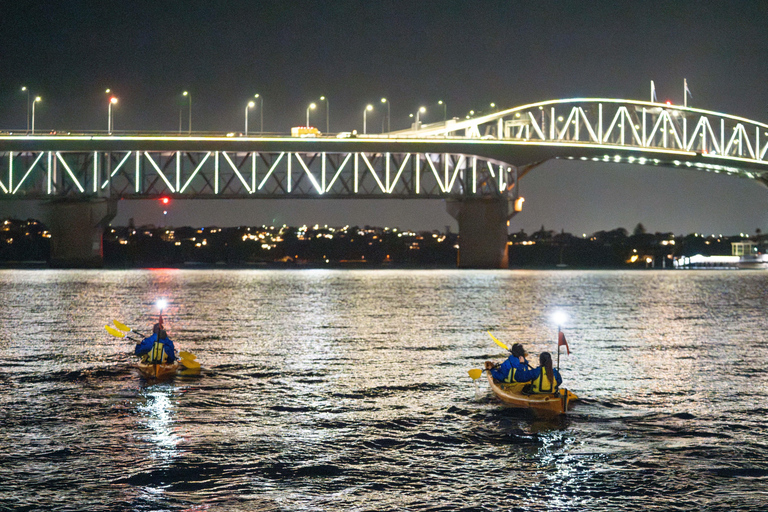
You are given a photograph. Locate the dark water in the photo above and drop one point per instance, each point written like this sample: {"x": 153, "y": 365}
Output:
{"x": 348, "y": 390}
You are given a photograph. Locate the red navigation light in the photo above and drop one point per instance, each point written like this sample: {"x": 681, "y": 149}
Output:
{"x": 165, "y": 200}
{"x": 669, "y": 102}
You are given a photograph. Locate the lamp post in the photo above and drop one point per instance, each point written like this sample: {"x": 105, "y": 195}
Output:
{"x": 37, "y": 99}
{"x": 112, "y": 101}
{"x": 311, "y": 106}
{"x": 384, "y": 100}
{"x": 249, "y": 106}
{"x": 25, "y": 89}
{"x": 445, "y": 110}
{"x": 327, "y": 113}
{"x": 187, "y": 93}
{"x": 365, "y": 118}
{"x": 420, "y": 111}
{"x": 261, "y": 112}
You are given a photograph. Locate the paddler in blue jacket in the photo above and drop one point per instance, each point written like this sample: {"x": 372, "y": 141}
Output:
{"x": 542, "y": 381}
{"x": 514, "y": 369}
{"x": 157, "y": 348}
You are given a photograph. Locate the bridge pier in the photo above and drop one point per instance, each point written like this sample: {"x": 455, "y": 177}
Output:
{"x": 482, "y": 231}
{"x": 76, "y": 229}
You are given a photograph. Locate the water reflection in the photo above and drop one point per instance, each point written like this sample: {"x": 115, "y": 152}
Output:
{"x": 341, "y": 390}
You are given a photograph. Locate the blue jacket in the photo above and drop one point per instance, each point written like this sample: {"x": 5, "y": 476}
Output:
{"x": 512, "y": 370}
{"x": 147, "y": 343}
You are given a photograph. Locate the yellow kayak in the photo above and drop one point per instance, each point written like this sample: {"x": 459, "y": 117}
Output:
{"x": 157, "y": 371}
{"x": 512, "y": 395}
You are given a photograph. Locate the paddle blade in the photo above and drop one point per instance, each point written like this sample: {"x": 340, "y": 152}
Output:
{"x": 475, "y": 373}
{"x": 190, "y": 365}
{"x": 114, "y": 332}
{"x": 121, "y": 326}
{"x": 497, "y": 341}
{"x": 187, "y": 355}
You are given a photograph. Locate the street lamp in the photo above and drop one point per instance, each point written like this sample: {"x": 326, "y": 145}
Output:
{"x": 420, "y": 111}
{"x": 327, "y": 113}
{"x": 365, "y": 118}
{"x": 112, "y": 101}
{"x": 37, "y": 99}
{"x": 250, "y": 105}
{"x": 311, "y": 106}
{"x": 186, "y": 93}
{"x": 24, "y": 89}
{"x": 384, "y": 100}
{"x": 445, "y": 110}
{"x": 261, "y": 112}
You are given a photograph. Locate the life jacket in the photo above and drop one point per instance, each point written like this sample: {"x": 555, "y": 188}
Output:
{"x": 157, "y": 355}
{"x": 543, "y": 384}
{"x": 510, "y": 378}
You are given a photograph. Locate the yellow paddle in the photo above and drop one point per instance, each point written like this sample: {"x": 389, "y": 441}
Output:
{"x": 475, "y": 373}
{"x": 189, "y": 364}
{"x": 117, "y": 334}
{"x": 125, "y": 328}
{"x": 187, "y": 355}
{"x": 495, "y": 340}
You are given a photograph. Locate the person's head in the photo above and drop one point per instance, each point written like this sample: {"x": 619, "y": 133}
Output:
{"x": 545, "y": 361}
{"x": 156, "y": 328}
{"x": 518, "y": 350}
{"x": 162, "y": 335}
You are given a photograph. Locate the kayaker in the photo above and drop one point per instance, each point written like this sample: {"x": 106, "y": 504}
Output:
{"x": 542, "y": 380}
{"x": 157, "y": 348}
{"x": 514, "y": 369}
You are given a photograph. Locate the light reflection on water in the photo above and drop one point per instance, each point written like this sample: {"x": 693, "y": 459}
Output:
{"x": 340, "y": 390}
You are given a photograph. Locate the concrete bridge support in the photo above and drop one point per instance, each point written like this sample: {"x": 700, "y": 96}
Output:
{"x": 482, "y": 231}
{"x": 76, "y": 231}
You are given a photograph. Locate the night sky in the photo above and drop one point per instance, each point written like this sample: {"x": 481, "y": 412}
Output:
{"x": 467, "y": 54}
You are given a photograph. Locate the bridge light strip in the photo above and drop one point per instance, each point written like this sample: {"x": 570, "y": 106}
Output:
{"x": 10, "y": 173}
{"x": 271, "y": 170}
{"x": 435, "y": 173}
{"x": 338, "y": 172}
{"x": 95, "y": 172}
{"x": 289, "y": 177}
{"x": 115, "y": 170}
{"x": 357, "y": 168}
{"x": 315, "y": 184}
{"x": 375, "y": 176}
{"x": 25, "y": 175}
{"x": 399, "y": 172}
{"x": 138, "y": 163}
{"x": 49, "y": 174}
{"x": 159, "y": 172}
{"x": 237, "y": 172}
{"x": 69, "y": 171}
{"x": 197, "y": 169}
{"x": 216, "y": 172}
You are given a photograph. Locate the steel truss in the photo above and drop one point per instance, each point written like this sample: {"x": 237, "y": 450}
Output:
{"x": 726, "y": 143}
{"x": 236, "y": 174}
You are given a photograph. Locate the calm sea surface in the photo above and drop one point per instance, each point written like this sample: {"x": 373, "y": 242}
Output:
{"x": 348, "y": 390}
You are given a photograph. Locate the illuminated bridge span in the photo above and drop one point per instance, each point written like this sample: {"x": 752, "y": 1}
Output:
{"x": 474, "y": 164}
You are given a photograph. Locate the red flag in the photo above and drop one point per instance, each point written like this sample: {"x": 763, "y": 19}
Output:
{"x": 561, "y": 341}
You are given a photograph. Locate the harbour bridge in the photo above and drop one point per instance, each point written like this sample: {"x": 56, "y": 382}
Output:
{"x": 473, "y": 164}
